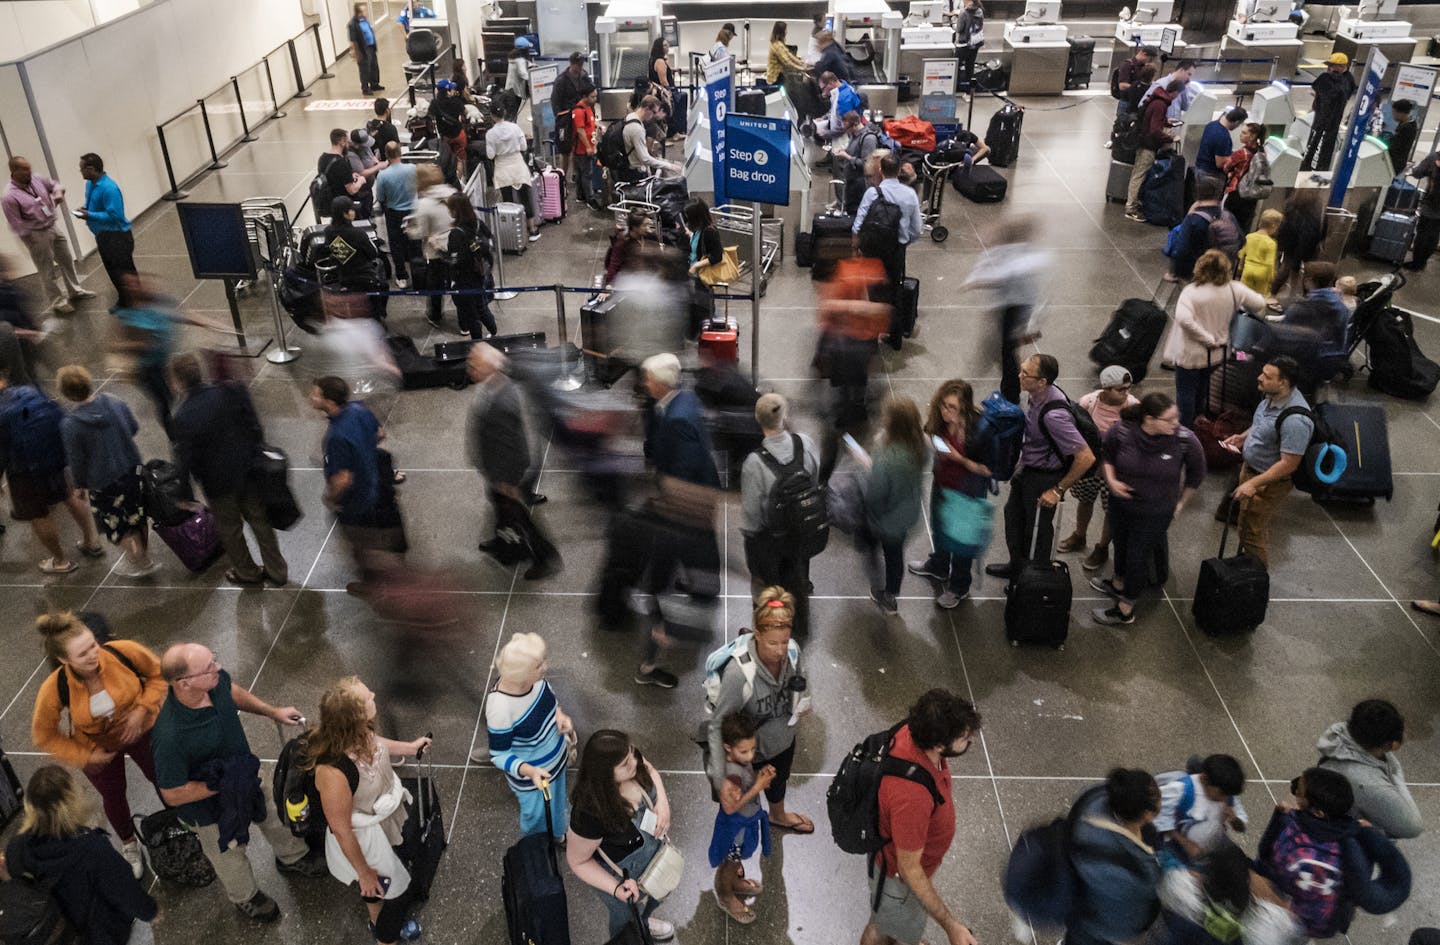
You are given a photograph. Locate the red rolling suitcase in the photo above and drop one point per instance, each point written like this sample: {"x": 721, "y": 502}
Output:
{"x": 720, "y": 339}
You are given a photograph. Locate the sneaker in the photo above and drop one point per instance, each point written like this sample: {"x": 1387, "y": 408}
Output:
{"x": 534, "y": 237}
{"x": 1096, "y": 559}
{"x": 1135, "y": 217}
{"x": 1071, "y": 542}
{"x": 656, "y": 677}
{"x": 409, "y": 932}
{"x": 921, "y": 569}
{"x": 886, "y": 602}
{"x": 259, "y": 907}
{"x": 62, "y": 307}
{"x": 135, "y": 856}
{"x": 434, "y": 320}
{"x": 82, "y": 294}
{"x": 1170, "y": 277}
{"x": 660, "y": 930}
{"x": 308, "y": 865}
{"x": 949, "y": 600}
{"x": 402, "y": 284}
{"x": 1105, "y": 586}
{"x": 125, "y": 569}
{"x": 1112, "y": 616}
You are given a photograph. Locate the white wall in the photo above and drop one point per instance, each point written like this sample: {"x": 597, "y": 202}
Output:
{"x": 31, "y": 25}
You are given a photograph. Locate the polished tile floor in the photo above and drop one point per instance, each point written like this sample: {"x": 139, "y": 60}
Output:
{"x": 1339, "y": 627}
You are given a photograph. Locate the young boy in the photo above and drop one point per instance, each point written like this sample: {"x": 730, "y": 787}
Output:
{"x": 1104, "y": 405}
{"x": 583, "y": 149}
{"x": 741, "y": 824}
{"x": 1196, "y": 809}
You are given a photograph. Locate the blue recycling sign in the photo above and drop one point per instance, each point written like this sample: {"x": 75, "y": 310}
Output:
{"x": 757, "y": 158}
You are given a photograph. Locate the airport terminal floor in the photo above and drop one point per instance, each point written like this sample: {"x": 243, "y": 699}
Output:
{"x": 1339, "y": 627}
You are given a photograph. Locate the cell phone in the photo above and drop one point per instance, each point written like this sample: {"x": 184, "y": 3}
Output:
{"x": 940, "y": 446}
{"x": 384, "y": 884}
{"x": 1230, "y": 446}
{"x": 78, "y": 214}
{"x": 852, "y": 444}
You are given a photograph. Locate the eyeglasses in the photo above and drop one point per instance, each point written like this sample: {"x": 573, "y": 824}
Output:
{"x": 1029, "y": 375}
{"x": 214, "y": 667}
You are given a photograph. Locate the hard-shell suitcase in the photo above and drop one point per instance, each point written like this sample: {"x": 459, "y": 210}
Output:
{"x": 1402, "y": 195}
{"x": 1037, "y": 601}
{"x": 553, "y": 196}
{"x": 979, "y": 184}
{"x": 829, "y": 242}
{"x": 1003, "y": 135}
{"x": 1394, "y": 232}
{"x": 537, "y": 200}
{"x": 720, "y": 340}
{"x": 422, "y": 840}
{"x": 1361, "y": 432}
{"x": 1232, "y": 593}
{"x": 1117, "y": 185}
{"x": 603, "y": 365}
{"x": 907, "y": 305}
{"x": 533, "y": 889}
{"x": 510, "y": 227}
{"x": 1131, "y": 337}
{"x": 750, "y": 101}
{"x": 195, "y": 541}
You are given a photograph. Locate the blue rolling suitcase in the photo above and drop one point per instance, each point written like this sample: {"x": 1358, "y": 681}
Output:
{"x": 1361, "y": 432}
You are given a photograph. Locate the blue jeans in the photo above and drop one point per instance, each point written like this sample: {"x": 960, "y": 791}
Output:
{"x": 532, "y": 808}
{"x": 1192, "y": 391}
{"x": 620, "y": 912}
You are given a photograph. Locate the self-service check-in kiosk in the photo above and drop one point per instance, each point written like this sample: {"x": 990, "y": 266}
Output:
{"x": 1371, "y": 24}
{"x": 1264, "y": 30}
{"x": 1039, "y": 50}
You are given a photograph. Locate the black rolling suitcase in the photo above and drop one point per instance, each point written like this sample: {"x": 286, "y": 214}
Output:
{"x": 636, "y": 933}
{"x": 1037, "y": 600}
{"x": 1003, "y": 135}
{"x": 1232, "y": 593}
{"x": 418, "y": 372}
{"x": 533, "y": 890}
{"x": 422, "y": 840}
{"x": 979, "y": 184}
{"x": 907, "y": 306}
{"x": 750, "y": 101}
{"x": 1394, "y": 232}
{"x": 1361, "y": 432}
{"x": 1080, "y": 62}
{"x": 829, "y": 242}
{"x": 1131, "y": 337}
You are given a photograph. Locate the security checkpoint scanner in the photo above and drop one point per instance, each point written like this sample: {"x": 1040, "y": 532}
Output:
{"x": 1040, "y": 23}
{"x": 854, "y": 19}
{"x": 626, "y": 31}
{"x": 1146, "y": 26}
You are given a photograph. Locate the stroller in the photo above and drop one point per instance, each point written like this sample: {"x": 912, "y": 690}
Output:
{"x": 1374, "y": 298}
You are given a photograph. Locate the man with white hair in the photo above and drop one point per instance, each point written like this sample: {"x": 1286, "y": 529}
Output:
{"x": 769, "y": 554}
{"x": 500, "y": 451}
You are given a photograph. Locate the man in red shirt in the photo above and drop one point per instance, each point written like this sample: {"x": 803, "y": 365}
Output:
{"x": 920, "y": 823}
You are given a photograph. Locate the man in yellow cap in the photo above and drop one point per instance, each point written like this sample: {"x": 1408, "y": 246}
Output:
{"x": 1332, "y": 89}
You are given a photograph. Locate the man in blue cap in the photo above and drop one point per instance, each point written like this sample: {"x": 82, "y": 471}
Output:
{"x": 362, "y": 46}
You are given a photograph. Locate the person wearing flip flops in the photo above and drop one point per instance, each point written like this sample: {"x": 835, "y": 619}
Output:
{"x": 32, "y": 456}
{"x": 741, "y": 826}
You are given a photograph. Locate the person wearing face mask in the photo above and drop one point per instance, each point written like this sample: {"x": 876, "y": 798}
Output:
{"x": 918, "y": 820}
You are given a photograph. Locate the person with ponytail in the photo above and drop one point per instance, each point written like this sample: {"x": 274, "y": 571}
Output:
{"x": 111, "y": 691}
{"x": 1146, "y": 456}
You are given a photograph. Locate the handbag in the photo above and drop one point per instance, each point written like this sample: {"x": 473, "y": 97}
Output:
{"x": 726, "y": 271}
{"x": 173, "y": 849}
{"x": 963, "y": 524}
{"x": 661, "y": 875}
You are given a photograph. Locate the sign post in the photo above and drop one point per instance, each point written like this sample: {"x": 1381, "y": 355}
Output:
{"x": 1375, "y": 66}
{"x": 542, "y": 115}
{"x": 757, "y": 168}
{"x": 719, "y": 84}
{"x": 937, "y": 90}
{"x": 1416, "y": 83}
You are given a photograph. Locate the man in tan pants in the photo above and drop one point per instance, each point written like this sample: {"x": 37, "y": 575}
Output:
{"x": 30, "y": 205}
{"x": 199, "y": 723}
{"x": 1272, "y": 452}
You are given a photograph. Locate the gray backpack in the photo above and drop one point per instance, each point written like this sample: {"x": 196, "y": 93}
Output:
{"x": 1256, "y": 183}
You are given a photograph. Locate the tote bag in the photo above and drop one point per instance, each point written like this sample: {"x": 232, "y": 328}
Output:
{"x": 963, "y": 524}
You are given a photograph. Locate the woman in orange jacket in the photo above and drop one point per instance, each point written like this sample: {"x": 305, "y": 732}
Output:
{"x": 113, "y": 694}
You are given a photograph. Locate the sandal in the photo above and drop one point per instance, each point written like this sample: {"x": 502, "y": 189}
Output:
{"x": 97, "y": 551}
{"x": 744, "y": 916}
{"x": 801, "y": 824}
{"x": 1430, "y": 607}
{"x": 1071, "y": 543}
{"x": 233, "y": 576}
{"x": 748, "y": 887}
{"x": 50, "y": 567}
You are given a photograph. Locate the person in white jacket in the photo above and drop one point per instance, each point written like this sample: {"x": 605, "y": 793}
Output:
{"x": 505, "y": 144}
{"x": 363, "y": 803}
{"x": 1202, "y": 329}
{"x": 1363, "y": 749}
{"x": 429, "y": 226}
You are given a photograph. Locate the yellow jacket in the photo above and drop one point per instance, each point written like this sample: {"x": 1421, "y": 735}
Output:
{"x": 87, "y": 732}
{"x": 782, "y": 60}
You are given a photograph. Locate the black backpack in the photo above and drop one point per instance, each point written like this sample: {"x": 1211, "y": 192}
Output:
{"x": 1084, "y": 425}
{"x": 297, "y": 799}
{"x": 164, "y": 491}
{"x": 321, "y": 196}
{"x": 1323, "y": 445}
{"x": 853, "y": 800}
{"x": 880, "y": 233}
{"x": 795, "y": 508}
{"x": 29, "y": 915}
{"x": 611, "y": 152}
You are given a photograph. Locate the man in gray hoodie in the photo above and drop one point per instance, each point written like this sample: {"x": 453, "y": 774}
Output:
{"x": 1363, "y": 750}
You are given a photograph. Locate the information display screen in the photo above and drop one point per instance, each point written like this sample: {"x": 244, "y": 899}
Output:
{"x": 217, "y": 240}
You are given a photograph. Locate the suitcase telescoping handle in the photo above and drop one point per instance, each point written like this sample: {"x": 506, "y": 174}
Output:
{"x": 1225, "y": 529}
{"x": 641, "y": 925}
{"x": 427, "y": 772}
{"x": 550, "y": 828}
{"x": 1035, "y": 532}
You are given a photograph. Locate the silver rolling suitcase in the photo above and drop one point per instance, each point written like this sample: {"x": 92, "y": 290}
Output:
{"x": 1117, "y": 185}
{"x": 510, "y": 219}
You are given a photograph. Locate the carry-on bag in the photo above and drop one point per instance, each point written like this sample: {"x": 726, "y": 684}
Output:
{"x": 270, "y": 478}
{"x": 979, "y": 183}
{"x": 510, "y": 228}
{"x": 422, "y": 840}
{"x": 419, "y": 371}
{"x": 552, "y": 195}
{"x": 1232, "y": 593}
{"x": 533, "y": 888}
{"x": 1037, "y": 600}
{"x": 1131, "y": 337}
{"x": 1003, "y": 135}
{"x": 829, "y": 242}
{"x": 167, "y": 496}
{"x": 1397, "y": 366}
{"x": 1361, "y": 432}
{"x": 1117, "y": 184}
{"x": 720, "y": 340}
{"x": 1394, "y": 232}
{"x": 637, "y": 932}
{"x": 750, "y": 101}
{"x": 907, "y": 305}
{"x": 195, "y": 541}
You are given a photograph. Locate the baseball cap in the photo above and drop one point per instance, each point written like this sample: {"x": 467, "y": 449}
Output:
{"x": 522, "y": 43}
{"x": 1115, "y": 376}
{"x": 1338, "y": 59}
{"x": 577, "y": 56}
{"x": 341, "y": 206}
{"x": 446, "y": 84}
{"x": 361, "y": 136}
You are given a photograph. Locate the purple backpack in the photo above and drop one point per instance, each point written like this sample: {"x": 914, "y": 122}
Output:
{"x": 1309, "y": 871}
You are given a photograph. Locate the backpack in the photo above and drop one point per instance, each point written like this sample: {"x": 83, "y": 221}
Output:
{"x": 880, "y": 233}
{"x": 321, "y": 196}
{"x": 738, "y": 651}
{"x": 1084, "y": 425}
{"x": 1311, "y": 874}
{"x": 173, "y": 849}
{"x": 853, "y": 800}
{"x": 611, "y": 152}
{"x": 164, "y": 492}
{"x": 1224, "y": 234}
{"x": 1255, "y": 183}
{"x": 1312, "y": 474}
{"x": 32, "y": 422}
{"x": 1187, "y": 794}
{"x": 1115, "y": 91}
{"x": 1001, "y": 432}
{"x": 297, "y": 800}
{"x": 482, "y": 249}
{"x": 29, "y": 915}
{"x": 795, "y": 508}
{"x": 1039, "y": 883}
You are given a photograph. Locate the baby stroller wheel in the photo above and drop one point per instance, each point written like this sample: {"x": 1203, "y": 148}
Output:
{"x": 939, "y": 233}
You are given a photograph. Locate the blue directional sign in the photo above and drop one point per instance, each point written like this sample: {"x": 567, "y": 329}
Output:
{"x": 719, "y": 83}
{"x": 757, "y": 159}
{"x": 1365, "y": 102}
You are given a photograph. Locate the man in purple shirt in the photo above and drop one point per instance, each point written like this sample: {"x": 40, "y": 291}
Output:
{"x": 30, "y": 207}
{"x": 1052, "y": 458}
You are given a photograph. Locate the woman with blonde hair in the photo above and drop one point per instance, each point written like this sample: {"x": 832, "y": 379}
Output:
{"x": 364, "y": 805}
{"x": 530, "y": 737}
{"x": 952, "y": 422}
{"x": 1202, "y": 328}
{"x": 112, "y": 693}
{"x": 892, "y": 499}
{"x": 58, "y": 850}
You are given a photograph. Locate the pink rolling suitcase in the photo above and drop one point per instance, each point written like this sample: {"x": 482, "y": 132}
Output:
{"x": 552, "y": 195}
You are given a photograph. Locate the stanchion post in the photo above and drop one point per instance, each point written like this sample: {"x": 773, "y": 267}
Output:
{"x": 215, "y": 162}
{"x": 300, "y": 90}
{"x": 320, "y": 52}
{"x": 275, "y": 111}
{"x": 757, "y": 272}
{"x": 566, "y": 380}
{"x": 247, "y": 137}
{"x": 175, "y": 192}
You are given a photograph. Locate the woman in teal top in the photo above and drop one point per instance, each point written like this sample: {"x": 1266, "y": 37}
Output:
{"x": 892, "y": 498}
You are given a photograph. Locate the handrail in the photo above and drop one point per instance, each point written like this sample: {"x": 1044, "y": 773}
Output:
{"x": 233, "y": 85}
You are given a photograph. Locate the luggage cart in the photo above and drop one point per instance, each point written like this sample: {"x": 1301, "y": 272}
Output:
{"x": 937, "y": 173}
{"x": 739, "y": 220}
